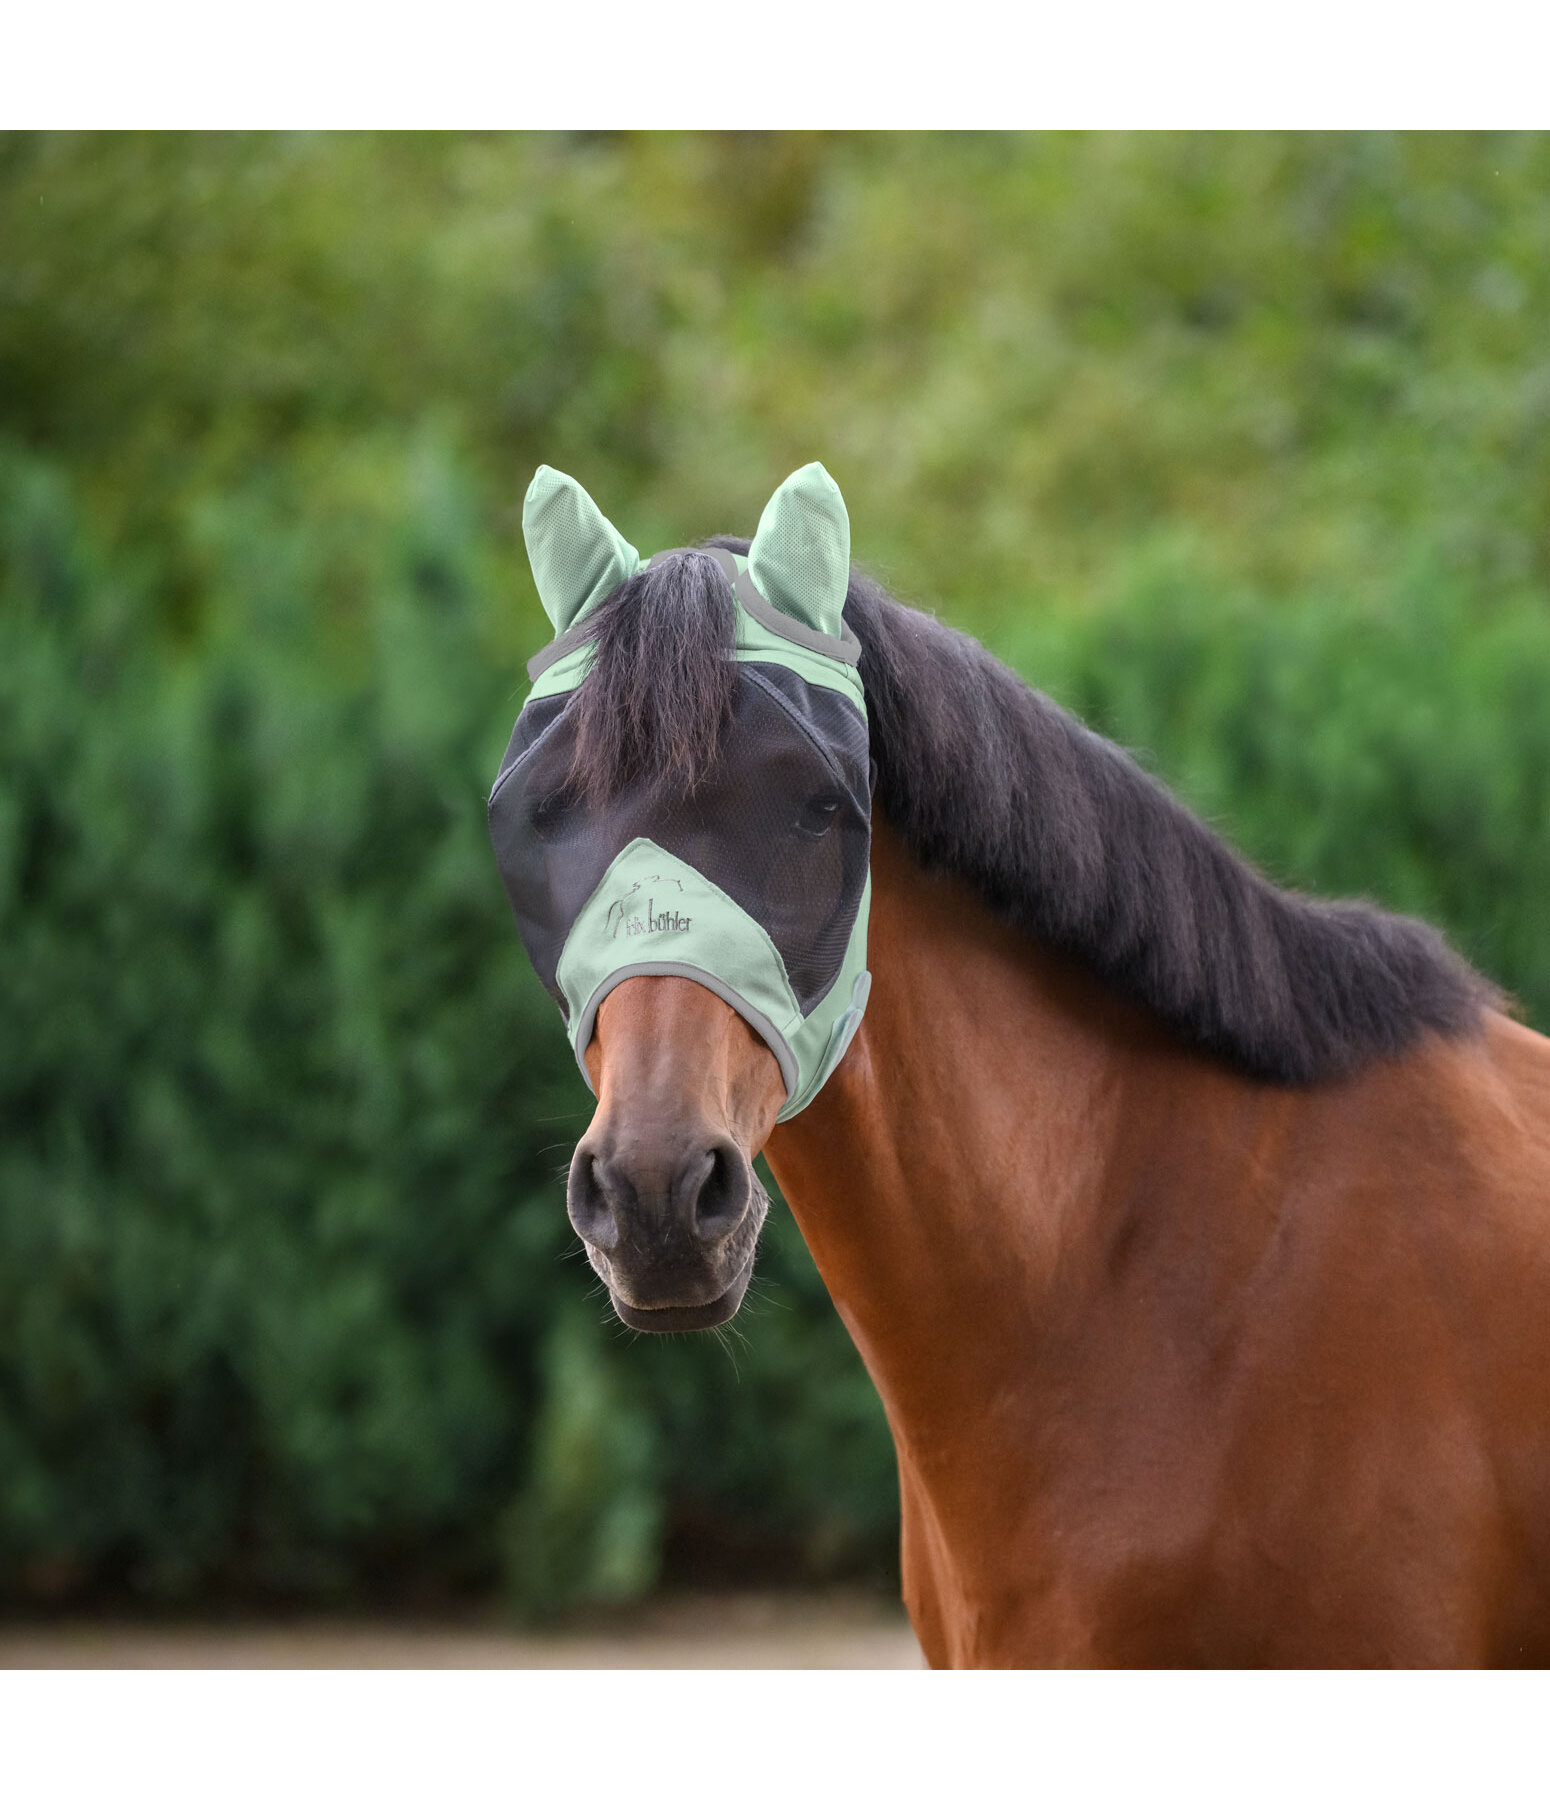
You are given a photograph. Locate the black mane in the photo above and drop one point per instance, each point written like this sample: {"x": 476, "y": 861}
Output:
{"x": 1057, "y": 829}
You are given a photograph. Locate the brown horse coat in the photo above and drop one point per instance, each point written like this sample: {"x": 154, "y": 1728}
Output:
{"x": 1182, "y": 1367}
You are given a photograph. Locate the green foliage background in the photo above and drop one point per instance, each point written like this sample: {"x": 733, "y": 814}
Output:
{"x": 1238, "y": 445}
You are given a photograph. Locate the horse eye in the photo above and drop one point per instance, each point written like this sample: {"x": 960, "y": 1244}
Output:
{"x": 818, "y": 814}
{"x": 548, "y": 815}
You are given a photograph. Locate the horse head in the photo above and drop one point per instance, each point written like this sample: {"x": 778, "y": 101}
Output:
{"x": 682, "y": 821}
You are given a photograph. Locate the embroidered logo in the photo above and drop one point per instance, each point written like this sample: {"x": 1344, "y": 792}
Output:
{"x": 625, "y": 914}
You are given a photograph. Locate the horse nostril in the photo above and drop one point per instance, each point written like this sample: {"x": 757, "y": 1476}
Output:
{"x": 627, "y": 1198}
{"x": 723, "y": 1196}
{"x": 590, "y": 1209}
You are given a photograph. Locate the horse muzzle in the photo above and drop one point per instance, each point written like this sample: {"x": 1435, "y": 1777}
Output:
{"x": 671, "y": 1221}
{"x": 662, "y": 1190}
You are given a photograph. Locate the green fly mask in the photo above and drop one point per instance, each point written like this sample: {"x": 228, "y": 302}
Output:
{"x": 755, "y": 881}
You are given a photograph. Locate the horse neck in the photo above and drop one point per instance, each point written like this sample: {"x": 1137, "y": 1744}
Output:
{"x": 976, "y": 1176}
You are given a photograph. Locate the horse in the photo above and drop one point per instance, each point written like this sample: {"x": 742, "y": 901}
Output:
{"x": 1194, "y": 1232}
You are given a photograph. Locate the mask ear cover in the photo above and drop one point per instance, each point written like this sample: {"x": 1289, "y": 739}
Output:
{"x": 577, "y": 556}
{"x": 800, "y": 555}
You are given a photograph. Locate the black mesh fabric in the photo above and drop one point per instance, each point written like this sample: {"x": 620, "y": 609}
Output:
{"x": 781, "y": 824}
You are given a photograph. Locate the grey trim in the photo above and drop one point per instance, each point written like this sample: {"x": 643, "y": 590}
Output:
{"x": 551, "y": 653}
{"x": 725, "y": 561}
{"x": 846, "y": 648}
{"x": 781, "y": 1050}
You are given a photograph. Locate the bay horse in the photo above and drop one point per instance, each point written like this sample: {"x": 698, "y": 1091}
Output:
{"x": 1195, "y": 1233}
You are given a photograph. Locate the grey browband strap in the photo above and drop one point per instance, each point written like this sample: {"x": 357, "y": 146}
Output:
{"x": 845, "y": 649}
{"x": 552, "y": 652}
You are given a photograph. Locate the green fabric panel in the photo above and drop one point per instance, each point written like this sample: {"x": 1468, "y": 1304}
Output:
{"x": 577, "y": 556}
{"x": 755, "y": 644}
{"x": 800, "y": 555}
{"x": 652, "y": 908}
{"x": 569, "y": 672}
{"x": 827, "y": 1033}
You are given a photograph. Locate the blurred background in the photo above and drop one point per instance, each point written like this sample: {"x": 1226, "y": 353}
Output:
{"x": 1238, "y": 446}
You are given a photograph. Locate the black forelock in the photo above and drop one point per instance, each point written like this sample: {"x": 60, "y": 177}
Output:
{"x": 658, "y": 696}
{"x": 1057, "y": 829}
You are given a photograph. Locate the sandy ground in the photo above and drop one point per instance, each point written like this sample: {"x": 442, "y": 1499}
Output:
{"x": 742, "y": 1631}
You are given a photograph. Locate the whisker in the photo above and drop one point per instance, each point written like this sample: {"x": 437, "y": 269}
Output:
{"x": 766, "y": 1289}
{"x": 721, "y": 1333}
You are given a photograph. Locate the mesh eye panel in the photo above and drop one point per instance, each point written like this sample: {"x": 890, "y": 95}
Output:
{"x": 781, "y": 824}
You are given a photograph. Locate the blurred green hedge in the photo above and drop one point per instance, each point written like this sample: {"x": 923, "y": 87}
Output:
{"x": 283, "y": 1124}
{"x": 1236, "y": 445}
